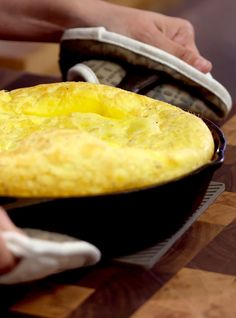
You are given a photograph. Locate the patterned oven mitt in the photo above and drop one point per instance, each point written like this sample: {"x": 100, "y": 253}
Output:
{"x": 99, "y": 56}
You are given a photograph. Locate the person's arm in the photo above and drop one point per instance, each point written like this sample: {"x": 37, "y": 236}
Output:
{"x": 46, "y": 20}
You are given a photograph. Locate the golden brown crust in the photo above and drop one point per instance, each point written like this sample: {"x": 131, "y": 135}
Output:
{"x": 73, "y": 139}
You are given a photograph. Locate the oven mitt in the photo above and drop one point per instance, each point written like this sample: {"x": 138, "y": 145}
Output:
{"x": 42, "y": 254}
{"x": 99, "y": 56}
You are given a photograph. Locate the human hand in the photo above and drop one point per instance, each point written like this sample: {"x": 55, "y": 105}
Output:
{"x": 7, "y": 260}
{"x": 46, "y": 21}
{"x": 173, "y": 35}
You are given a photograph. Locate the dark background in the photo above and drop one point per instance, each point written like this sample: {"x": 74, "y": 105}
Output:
{"x": 215, "y": 26}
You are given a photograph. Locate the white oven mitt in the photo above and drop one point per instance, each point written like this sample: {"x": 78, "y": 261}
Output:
{"x": 99, "y": 56}
{"x": 40, "y": 257}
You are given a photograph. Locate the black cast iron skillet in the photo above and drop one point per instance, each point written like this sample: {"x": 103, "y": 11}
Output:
{"x": 128, "y": 221}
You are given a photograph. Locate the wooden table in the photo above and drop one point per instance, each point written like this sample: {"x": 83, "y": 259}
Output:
{"x": 196, "y": 278}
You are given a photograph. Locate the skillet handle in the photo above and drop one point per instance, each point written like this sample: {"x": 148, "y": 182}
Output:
{"x": 138, "y": 80}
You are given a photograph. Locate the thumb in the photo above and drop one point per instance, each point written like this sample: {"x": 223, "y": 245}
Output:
{"x": 7, "y": 260}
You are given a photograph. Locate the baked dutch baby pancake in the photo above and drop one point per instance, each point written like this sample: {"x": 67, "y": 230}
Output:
{"x": 76, "y": 139}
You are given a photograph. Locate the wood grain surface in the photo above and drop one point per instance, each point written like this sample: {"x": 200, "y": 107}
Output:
{"x": 195, "y": 278}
